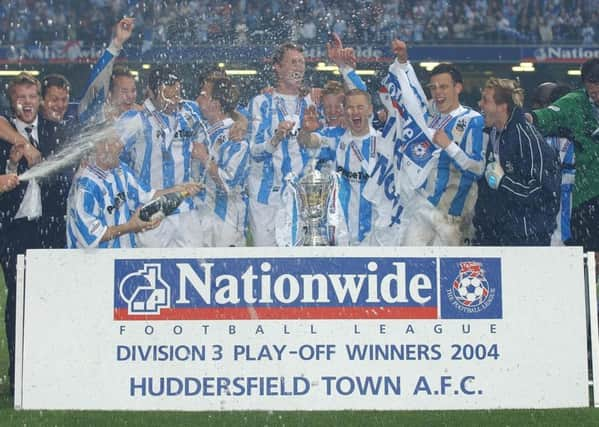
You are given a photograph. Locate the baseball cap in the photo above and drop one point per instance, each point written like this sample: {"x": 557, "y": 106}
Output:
{"x": 162, "y": 75}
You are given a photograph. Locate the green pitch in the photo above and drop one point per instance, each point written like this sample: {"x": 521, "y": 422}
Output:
{"x": 542, "y": 418}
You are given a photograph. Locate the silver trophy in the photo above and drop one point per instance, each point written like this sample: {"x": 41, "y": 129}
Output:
{"x": 314, "y": 190}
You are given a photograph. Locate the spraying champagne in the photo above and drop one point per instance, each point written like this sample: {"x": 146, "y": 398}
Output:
{"x": 165, "y": 205}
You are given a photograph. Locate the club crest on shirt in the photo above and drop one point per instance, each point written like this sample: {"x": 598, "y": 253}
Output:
{"x": 459, "y": 128}
{"x": 421, "y": 149}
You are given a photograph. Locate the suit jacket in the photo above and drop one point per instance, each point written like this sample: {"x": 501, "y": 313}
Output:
{"x": 52, "y": 137}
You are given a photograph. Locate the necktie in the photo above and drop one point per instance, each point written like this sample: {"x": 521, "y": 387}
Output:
{"x": 32, "y": 140}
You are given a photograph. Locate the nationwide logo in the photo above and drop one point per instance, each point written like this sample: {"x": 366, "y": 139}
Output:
{"x": 471, "y": 288}
{"x": 276, "y": 288}
{"x": 307, "y": 288}
{"x": 565, "y": 54}
{"x": 144, "y": 290}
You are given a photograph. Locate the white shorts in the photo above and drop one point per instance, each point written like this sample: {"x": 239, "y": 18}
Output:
{"x": 175, "y": 231}
{"x": 262, "y": 222}
{"x": 230, "y": 232}
{"x": 422, "y": 224}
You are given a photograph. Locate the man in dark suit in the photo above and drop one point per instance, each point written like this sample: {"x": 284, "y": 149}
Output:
{"x": 54, "y": 130}
{"x": 22, "y": 226}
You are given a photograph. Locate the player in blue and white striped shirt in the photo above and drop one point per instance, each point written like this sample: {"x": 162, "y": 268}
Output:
{"x": 109, "y": 91}
{"x": 224, "y": 163}
{"x": 158, "y": 143}
{"x": 439, "y": 174}
{"x": 357, "y": 152}
{"x": 275, "y": 120}
{"x": 104, "y": 199}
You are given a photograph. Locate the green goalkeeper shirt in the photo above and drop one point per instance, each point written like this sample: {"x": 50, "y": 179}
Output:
{"x": 574, "y": 113}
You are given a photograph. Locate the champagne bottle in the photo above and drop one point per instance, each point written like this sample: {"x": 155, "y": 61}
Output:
{"x": 166, "y": 204}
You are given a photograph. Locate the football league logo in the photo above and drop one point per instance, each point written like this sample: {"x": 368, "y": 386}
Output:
{"x": 144, "y": 291}
{"x": 470, "y": 287}
{"x": 421, "y": 149}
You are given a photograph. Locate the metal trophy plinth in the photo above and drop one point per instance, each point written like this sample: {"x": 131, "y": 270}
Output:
{"x": 314, "y": 190}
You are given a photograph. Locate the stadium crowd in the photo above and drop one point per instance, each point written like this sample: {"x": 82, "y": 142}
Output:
{"x": 26, "y": 22}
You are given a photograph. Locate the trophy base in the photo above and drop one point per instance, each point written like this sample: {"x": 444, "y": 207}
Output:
{"x": 312, "y": 237}
{"x": 315, "y": 241}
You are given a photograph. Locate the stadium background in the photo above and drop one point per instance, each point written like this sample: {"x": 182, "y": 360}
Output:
{"x": 483, "y": 37}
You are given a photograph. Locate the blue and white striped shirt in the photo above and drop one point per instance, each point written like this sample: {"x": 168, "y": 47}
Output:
{"x": 158, "y": 145}
{"x": 565, "y": 148}
{"x": 450, "y": 173}
{"x": 100, "y": 199}
{"x": 355, "y": 158}
{"x": 232, "y": 159}
{"x": 270, "y": 165}
{"x": 91, "y": 105}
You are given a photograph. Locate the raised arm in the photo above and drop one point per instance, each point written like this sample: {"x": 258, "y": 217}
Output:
{"x": 345, "y": 59}
{"x": 97, "y": 87}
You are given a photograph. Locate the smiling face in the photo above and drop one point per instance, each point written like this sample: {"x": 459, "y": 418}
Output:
{"x": 290, "y": 71}
{"x": 55, "y": 103}
{"x": 357, "y": 113}
{"x": 168, "y": 97}
{"x": 493, "y": 113}
{"x": 25, "y": 102}
{"x": 123, "y": 93}
{"x": 445, "y": 92}
{"x": 333, "y": 109}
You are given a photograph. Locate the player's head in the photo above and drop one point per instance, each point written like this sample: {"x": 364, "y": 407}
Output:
{"x": 211, "y": 72}
{"x": 541, "y": 94}
{"x": 333, "y": 94}
{"x": 358, "y": 108}
{"x": 499, "y": 97}
{"x": 289, "y": 65}
{"x": 55, "y": 97}
{"x": 219, "y": 95}
{"x": 107, "y": 150}
{"x": 445, "y": 85}
{"x": 24, "y": 92}
{"x": 165, "y": 87}
{"x": 547, "y": 93}
{"x": 122, "y": 89}
{"x": 589, "y": 73}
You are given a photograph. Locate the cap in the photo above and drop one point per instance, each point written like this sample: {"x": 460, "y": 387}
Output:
{"x": 162, "y": 75}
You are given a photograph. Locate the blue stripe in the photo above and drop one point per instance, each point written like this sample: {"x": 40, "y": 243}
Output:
{"x": 356, "y": 80}
{"x": 144, "y": 173}
{"x": 242, "y": 168}
{"x": 99, "y": 67}
{"x": 294, "y": 219}
{"x": 442, "y": 179}
{"x": 267, "y": 182}
{"x": 566, "y": 215}
{"x": 286, "y": 163}
{"x": 304, "y": 152}
{"x": 221, "y": 202}
{"x": 94, "y": 107}
{"x": 264, "y": 128}
{"x": 168, "y": 161}
{"x": 89, "y": 204}
{"x": 365, "y": 210}
{"x": 345, "y": 189}
{"x": 457, "y": 204}
{"x": 187, "y": 142}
